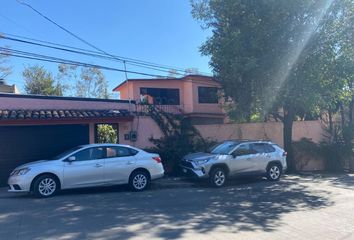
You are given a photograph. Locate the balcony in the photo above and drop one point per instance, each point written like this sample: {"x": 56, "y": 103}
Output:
{"x": 145, "y": 109}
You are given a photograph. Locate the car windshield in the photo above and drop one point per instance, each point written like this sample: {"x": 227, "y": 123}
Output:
{"x": 61, "y": 155}
{"x": 224, "y": 148}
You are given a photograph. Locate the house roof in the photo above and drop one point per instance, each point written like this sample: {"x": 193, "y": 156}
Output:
{"x": 55, "y": 114}
{"x": 32, "y": 96}
{"x": 165, "y": 79}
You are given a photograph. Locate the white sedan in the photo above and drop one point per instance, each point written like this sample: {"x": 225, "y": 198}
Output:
{"x": 88, "y": 166}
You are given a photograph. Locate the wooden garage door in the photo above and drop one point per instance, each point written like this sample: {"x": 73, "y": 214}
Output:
{"x": 22, "y": 144}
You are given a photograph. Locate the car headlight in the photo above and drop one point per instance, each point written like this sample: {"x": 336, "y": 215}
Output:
{"x": 20, "y": 172}
{"x": 201, "y": 162}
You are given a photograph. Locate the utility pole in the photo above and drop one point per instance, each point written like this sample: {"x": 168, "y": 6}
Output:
{"x": 126, "y": 80}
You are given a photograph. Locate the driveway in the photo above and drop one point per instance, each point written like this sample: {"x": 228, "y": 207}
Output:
{"x": 297, "y": 207}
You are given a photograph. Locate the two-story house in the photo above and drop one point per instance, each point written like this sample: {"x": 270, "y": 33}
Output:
{"x": 195, "y": 96}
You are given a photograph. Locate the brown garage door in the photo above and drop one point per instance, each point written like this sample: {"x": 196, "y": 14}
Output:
{"x": 22, "y": 144}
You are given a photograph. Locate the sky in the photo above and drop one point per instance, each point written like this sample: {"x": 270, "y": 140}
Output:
{"x": 157, "y": 31}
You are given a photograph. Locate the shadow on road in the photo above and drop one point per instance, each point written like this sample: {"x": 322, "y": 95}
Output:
{"x": 338, "y": 180}
{"x": 115, "y": 213}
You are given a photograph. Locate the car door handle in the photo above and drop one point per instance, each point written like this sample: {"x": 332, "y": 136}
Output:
{"x": 130, "y": 162}
{"x": 249, "y": 159}
{"x": 98, "y": 165}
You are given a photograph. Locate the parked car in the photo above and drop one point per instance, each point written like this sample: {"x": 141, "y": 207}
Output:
{"x": 88, "y": 166}
{"x": 236, "y": 158}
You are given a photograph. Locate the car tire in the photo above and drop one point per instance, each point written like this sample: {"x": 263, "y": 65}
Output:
{"x": 46, "y": 186}
{"x": 274, "y": 171}
{"x": 139, "y": 181}
{"x": 217, "y": 177}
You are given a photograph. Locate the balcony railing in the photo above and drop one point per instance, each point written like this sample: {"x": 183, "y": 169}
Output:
{"x": 145, "y": 109}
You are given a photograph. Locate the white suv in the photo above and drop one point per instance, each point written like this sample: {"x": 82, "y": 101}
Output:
{"x": 236, "y": 158}
{"x": 87, "y": 166}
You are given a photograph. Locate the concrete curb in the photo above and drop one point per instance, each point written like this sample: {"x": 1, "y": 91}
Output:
{"x": 162, "y": 183}
{"x": 172, "y": 182}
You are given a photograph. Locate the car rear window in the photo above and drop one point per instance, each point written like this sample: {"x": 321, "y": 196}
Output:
{"x": 262, "y": 147}
{"x": 113, "y": 152}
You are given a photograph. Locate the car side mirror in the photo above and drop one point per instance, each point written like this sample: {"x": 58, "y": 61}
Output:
{"x": 234, "y": 154}
{"x": 70, "y": 159}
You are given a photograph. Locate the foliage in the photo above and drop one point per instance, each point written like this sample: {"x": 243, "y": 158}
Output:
{"x": 89, "y": 82}
{"x": 106, "y": 134}
{"x": 180, "y": 138}
{"x": 292, "y": 56}
{"x": 40, "y": 81}
{"x": 338, "y": 148}
{"x": 305, "y": 151}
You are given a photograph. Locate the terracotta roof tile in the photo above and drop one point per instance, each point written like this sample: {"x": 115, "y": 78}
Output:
{"x": 7, "y": 114}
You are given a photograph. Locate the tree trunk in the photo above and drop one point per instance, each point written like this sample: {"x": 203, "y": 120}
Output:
{"x": 330, "y": 119}
{"x": 288, "y": 120}
{"x": 342, "y": 115}
{"x": 351, "y": 111}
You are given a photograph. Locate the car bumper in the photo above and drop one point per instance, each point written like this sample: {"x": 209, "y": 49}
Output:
{"x": 18, "y": 184}
{"x": 157, "y": 176}
{"x": 194, "y": 173}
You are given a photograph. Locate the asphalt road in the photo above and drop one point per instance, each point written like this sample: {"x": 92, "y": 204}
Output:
{"x": 294, "y": 208}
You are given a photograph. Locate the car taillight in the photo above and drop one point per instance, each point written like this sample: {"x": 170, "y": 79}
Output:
{"x": 157, "y": 159}
{"x": 285, "y": 154}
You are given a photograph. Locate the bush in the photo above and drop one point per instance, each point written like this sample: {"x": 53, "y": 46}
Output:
{"x": 106, "y": 134}
{"x": 180, "y": 138}
{"x": 337, "y": 149}
{"x": 308, "y": 155}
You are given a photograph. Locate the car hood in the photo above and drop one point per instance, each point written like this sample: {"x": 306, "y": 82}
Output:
{"x": 199, "y": 156}
{"x": 32, "y": 164}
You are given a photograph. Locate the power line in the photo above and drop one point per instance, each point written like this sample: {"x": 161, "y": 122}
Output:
{"x": 46, "y": 58}
{"x": 95, "y": 52}
{"x": 34, "y": 56}
{"x": 70, "y": 49}
{"x": 68, "y": 31}
{"x": 62, "y": 28}
{"x": 82, "y": 52}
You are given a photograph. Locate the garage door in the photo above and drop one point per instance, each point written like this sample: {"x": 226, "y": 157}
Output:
{"x": 22, "y": 144}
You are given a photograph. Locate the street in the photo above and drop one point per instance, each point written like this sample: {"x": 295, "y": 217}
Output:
{"x": 297, "y": 207}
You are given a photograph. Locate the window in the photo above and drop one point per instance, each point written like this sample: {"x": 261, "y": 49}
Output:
{"x": 160, "y": 96}
{"x": 90, "y": 154}
{"x": 207, "y": 95}
{"x": 262, "y": 147}
{"x": 113, "y": 152}
{"x": 244, "y": 149}
{"x": 224, "y": 148}
{"x": 66, "y": 153}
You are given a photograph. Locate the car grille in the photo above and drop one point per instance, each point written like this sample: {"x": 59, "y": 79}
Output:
{"x": 185, "y": 163}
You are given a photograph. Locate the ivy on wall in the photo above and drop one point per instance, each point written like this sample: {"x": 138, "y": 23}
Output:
{"x": 180, "y": 138}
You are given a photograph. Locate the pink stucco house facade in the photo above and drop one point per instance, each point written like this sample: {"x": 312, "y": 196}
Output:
{"x": 195, "y": 96}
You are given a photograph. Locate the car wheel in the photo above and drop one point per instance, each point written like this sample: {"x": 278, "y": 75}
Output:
{"x": 274, "y": 172}
{"x": 139, "y": 181}
{"x": 45, "y": 186}
{"x": 217, "y": 177}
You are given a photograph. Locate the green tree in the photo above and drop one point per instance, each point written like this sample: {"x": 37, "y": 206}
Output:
{"x": 278, "y": 57}
{"x": 89, "y": 81}
{"x": 92, "y": 84}
{"x": 40, "y": 81}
